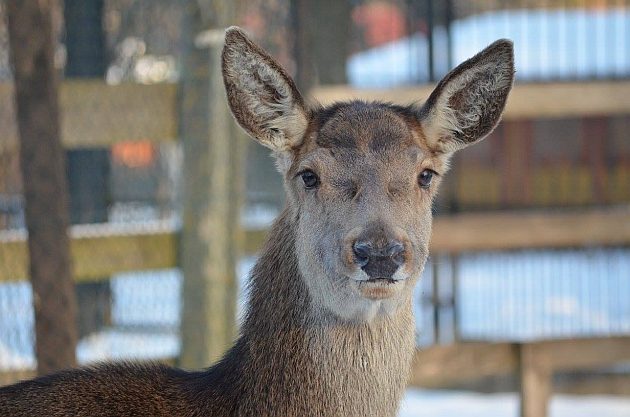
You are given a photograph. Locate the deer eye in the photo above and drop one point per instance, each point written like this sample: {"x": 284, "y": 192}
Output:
{"x": 425, "y": 177}
{"x": 310, "y": 179}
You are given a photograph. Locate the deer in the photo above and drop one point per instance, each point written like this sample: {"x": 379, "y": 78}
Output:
{"x": 329, "y": 328}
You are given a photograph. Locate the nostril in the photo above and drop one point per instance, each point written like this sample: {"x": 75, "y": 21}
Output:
{"x": 362, "y": 253}
{"x": 396, "y": 251}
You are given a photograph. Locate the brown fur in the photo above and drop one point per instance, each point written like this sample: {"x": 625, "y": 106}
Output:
{"x": 324, "y": 335}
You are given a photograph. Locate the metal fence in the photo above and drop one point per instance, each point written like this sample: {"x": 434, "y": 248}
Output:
{"x": 525, "y": 295}
{"x": 546, "y": 163}
{"x": 488, "y": 295}
{"x": 413, "y": 42}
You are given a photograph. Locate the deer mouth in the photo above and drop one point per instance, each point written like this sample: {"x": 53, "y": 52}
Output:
{"x": 379, "y": 288}
{"x": 383, "y": 281}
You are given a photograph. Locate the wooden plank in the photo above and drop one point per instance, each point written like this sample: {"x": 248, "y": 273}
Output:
{"x": 253, "y": 241}
{"x": 94, "y": 113}
{"x": 526, "y": 101}
{"x": 593, "y": 383}
{"x": 584, "y": 354}
{"x": 15, "y": 375}
{"x": 443, "y": 366}
{"x": 105, "y": 254}
{"x": 98, "y": 251}
{"x": 438, "y": 366}
{"x": 558, "y": 185}
{"x": 535, "y": 380}
{"x": 514, "y": 230}
{"x": 505, "y": 231}
{"x": 97, "y": 114}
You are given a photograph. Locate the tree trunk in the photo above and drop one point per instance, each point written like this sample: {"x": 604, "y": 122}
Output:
{"x": 42, "y": 164}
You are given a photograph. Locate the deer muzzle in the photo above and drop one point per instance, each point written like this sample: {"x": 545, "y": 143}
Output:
{"x": 379, "y": 262}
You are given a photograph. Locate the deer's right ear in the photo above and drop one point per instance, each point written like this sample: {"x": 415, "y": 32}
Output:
{"x": 262, "y": 96}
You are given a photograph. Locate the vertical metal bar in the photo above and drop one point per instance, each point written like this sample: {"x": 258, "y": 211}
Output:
{"x": 430, "y": 25}
{"x": 303, "y": 75}
{"x": 626, "y": 36}
{"x": 448, "y": 14}
{"x": 409, "y": 12}
{"x": 435, "y": 299}
{"x": 543, "y": 74}
{"x": 412, "y": 19}
{"x": 455, "y": 297}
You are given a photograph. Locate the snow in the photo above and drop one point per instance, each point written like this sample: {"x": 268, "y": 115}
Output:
{"x": 14, "y": 360}
{"x": 561, "y": 44}
{"x": 421, "y": 403}
{"x": 112, "y": 345}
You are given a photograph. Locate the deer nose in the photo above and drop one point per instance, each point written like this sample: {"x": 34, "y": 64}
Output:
{"x": 379, "y": 262}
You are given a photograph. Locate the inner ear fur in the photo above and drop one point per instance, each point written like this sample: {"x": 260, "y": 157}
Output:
{"x": 262, "y": 96}
{"x": 468, "y": 102}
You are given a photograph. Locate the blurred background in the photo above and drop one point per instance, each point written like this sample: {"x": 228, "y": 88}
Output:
{"x": 530, "y": 265}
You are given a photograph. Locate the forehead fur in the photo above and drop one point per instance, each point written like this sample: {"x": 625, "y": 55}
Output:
{"x": 364, "y": 126}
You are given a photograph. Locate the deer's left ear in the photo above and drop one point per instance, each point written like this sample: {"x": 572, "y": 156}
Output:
{"x": 467, "y": 104}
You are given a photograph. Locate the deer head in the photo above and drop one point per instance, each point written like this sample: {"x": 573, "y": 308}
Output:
{"x": 360, "y": 177}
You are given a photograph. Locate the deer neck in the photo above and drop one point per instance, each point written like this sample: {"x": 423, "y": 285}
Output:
{"x": 307, "y": 362}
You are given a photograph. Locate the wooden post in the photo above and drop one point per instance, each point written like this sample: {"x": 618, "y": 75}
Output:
{"x": 45, "y": 191}
{"x": 212, "y": 164}
{"x": 535, "y": 376}
{"x": 317, "y": 26}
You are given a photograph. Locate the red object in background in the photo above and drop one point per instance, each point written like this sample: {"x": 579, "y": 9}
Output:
{"x": 381, "y": 22}
{"x": 134, "y": 154}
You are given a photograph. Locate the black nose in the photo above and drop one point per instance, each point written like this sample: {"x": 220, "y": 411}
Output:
{"x": 379, "y": 262}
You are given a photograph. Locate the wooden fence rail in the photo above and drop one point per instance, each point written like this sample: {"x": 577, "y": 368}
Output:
{"x": 98, "y": 251}
{"x": 104, "y": 250}
{"x": 94, "y": 113}
{"x": 533, "y": 362}
{"x": 97, "y": 114}
{"x": 526, "y": 101}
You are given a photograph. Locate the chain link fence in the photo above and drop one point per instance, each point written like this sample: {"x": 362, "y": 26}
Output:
{"x": 120, "y": 190}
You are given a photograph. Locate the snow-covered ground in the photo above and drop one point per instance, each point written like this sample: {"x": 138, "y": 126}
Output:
{"x": 427, "y": 403}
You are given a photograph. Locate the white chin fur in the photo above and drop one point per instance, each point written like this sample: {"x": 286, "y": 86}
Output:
{"x": 341, "y": 296}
